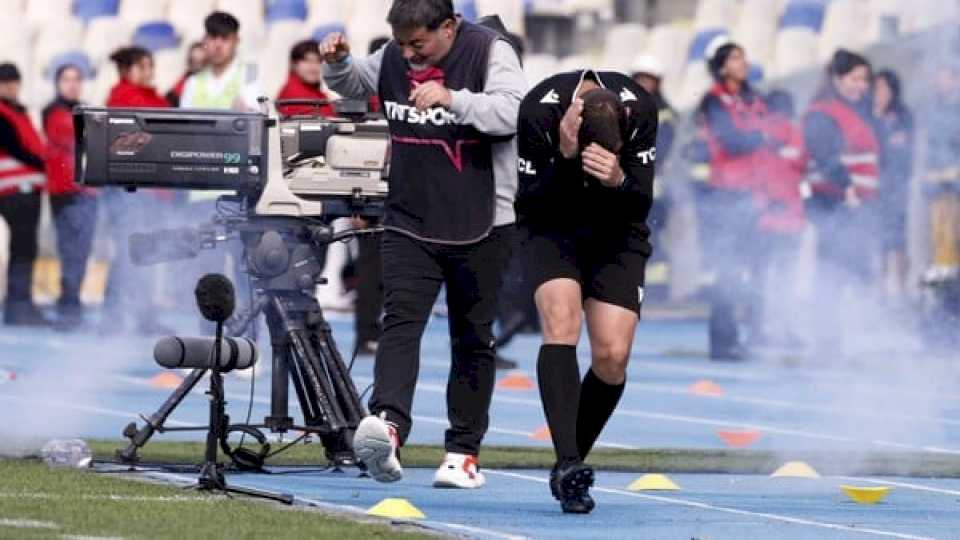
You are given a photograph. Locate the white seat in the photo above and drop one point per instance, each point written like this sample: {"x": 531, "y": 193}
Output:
{"x": 273, "y": 58}
{"x": 56, "y": 37}
{"x": 844, "y": 25}
{"x": 696, "y": 82}
{"x": 98, "y": 90}
{"x": 368, "y": 21}
{"x": 170, "y": 65}
{"x": 539, "y": 67}
{"x": 511, "y": 12}
{"x": 621, "y": 45}
{"x": 715, "y": 14}
{"x": 43, "y": 11}
{"x": 920, "y": 15}
{"x": 796, "y": 50}
{"x": 136, "y": 12}
{"x": 248, "y": 12}
{"x": 187, "y": 16}
{"x": 328, "y": 11}
{"x": 105, "y": 35}
{"x": 12, "y": 8}
{"x": 756, "y": 30}
{"x": 670, "y": 44}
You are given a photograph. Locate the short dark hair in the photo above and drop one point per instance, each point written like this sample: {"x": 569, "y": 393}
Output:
{"x": 604, "y": 120}
{"x": 9, "y": 73}
{"x": 127, "y": 57}
{"x": 844, "y": 61}
{"x": 302, "y": 49}
{"x": 412, "y": 14}
{"x": 221, "y": 24}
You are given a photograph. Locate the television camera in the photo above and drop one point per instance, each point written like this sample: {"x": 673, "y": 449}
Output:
{"x": 288, "y": 178}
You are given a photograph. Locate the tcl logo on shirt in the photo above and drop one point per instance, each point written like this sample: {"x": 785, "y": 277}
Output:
{"x": 526, "y": 167}
{"x": 648, "y": 156}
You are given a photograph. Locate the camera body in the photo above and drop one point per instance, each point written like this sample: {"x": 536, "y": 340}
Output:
{"x": 293, "y": 167}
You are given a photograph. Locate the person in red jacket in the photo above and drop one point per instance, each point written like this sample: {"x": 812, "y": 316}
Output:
{"x": 21, "y": 181}
{"x": 305, "y": 82}
{"x": 780, "y": 223}
{"x": 128, "y": 288}
{"x": 733, "y": 118}
{"x": 74, "y": 208}
{"x": 844, "y": 183}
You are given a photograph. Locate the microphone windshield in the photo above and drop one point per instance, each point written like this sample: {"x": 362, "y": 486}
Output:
{"x": 215, "y": 297}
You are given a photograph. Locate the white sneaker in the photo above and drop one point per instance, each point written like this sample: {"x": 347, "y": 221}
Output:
{"x": 459, "y": 471}
{"x": 375, "y": 444}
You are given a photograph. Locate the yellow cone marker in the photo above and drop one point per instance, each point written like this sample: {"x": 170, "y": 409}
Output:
{"x": 795, "y": 469}
{"x": 653, "y": 482}
{"x": 866, "y": 495}
{"x": 396, "y": 509}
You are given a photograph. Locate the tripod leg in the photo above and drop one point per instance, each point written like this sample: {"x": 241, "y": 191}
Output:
{"x": 329, "y": 355}
{"x": 138, "y": 438}
{"x": 279, "y": 419}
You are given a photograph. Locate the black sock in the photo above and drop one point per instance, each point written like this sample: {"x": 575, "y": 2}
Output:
{"x": 597, "y": 403}
{"x": 559, "y": 378}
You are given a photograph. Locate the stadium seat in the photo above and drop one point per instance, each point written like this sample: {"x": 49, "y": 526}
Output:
{"x": 698, "y": 48}
{"x": 322, "y": 31}
{"x": 511, "y": 12}
{"x": 466, "y": 8}
{"x": 796, "y": 50}
{"x": 919, "y": 15}
{"x": 803, "y": 14}
{"x": 91, "y": 9}
{"x": 15, "y": 45}
{"x": 756, "y": 30}
{"x": 11, "y": 8}
{"x": 696, "y": 82}
{"x": 54, "y": 38}
{"x": 104, "y": 35}
{"x": 156, "y": 36}
{"x": 43, "y": 11}
{"x": 96, "y": 92}
{"x": 538, "y": 67}
{"x": 367, "y": 22}
{"x": 670, "y": 43}
{"x": 187, "y": 16}
{"x": 170, "y": 65}
{"x": 715, "y": 14}
{"x": 320, "y": 12}
{"x": 283, "y": 10}
{"x": 273, "y": 58}
{"x": 622, "y": 43}
{"x": 74, "y": 58}
{"x": 248, "y": 12}
{"x": 844, "y": 25}
{"x": 135, "y": 12}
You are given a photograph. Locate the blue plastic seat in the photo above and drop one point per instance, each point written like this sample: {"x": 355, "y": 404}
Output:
{"x": 698, "y": 48}
{"x": 323, "y": 30}
{"x": 803, "y": 14}
{"x": 285, "y": 10}
{"x": 467, "y": 8}
{"x": 156, "y": 36}
{"x": 71, "y": 58}
{"x": 91, "y": 9}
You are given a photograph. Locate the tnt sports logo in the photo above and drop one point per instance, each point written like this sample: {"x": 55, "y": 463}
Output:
{"x": 648, "y": 156}
{"x": 437, "y": 116}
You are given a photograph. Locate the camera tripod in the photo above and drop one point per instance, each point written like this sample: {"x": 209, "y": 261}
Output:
{"x": 283, "y": 256}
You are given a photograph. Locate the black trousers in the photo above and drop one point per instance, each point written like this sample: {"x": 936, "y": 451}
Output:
{"x": 369, "y": 289}
{"x": 21, "y": 211}
{"x": 75, "y": 217}
{"x": 413, "y": 274}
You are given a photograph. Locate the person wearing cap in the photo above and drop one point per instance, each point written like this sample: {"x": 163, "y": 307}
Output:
{"x": 22, "y": 155}
{"x": 734, "y": 121}
{"x": 74, "y": 207}
{"x": 587, "y": 143}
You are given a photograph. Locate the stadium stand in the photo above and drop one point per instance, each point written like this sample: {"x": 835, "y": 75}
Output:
{"x": 282, "y": 10}
{"x": 156, "y": 36}
{"x": 91, "y": 9}
{"x": 40, "y": 12}
{"x": 623, "y": 40}
{"x": 135, "y": 12}
{"x": 321, "y": 12}
{"x": 843, "y": 26}
{"x": 717, "y": 14}
{"x": 183, "y": 15}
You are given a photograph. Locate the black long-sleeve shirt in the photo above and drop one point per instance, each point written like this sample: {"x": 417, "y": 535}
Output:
{"x": 11, "y": 143}
{"x": 555, "y": 189}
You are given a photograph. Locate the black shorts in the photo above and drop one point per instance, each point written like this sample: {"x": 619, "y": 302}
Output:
{"x": 608, "y": 261}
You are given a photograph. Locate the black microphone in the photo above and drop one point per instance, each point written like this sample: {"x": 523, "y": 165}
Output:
{"x": 215, "y": 297}
{"x": 196, "y": 352}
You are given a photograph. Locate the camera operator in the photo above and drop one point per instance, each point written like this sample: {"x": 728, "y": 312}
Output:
{"x": 21, "y": 178}
{"x": 587, "y": 151}
{"x": 450, "y": 91}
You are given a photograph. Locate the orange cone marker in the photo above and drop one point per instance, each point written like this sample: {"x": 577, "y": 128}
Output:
{"x": 541, "y": 434}
{"x": 516, "y": 380}
{"x": 739, "y": 438}
{"x": 166, "y": 380}
{"x": 706, "y": 387}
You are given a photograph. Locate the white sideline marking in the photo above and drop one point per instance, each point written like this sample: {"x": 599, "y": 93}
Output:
{"x": 81, "y": 537}
{"x": 87, "y": 408}
{"x": 728, "y": 510}
{"x": 27, "y": 524}
{"x": 905, "y": 485}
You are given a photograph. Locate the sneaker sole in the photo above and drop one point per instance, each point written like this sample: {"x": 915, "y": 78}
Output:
{"x": 449, "y": 484}
{"x": 372, "y": 452}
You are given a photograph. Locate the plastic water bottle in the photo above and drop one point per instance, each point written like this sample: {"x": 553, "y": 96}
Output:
{"x": 71, "y": 453}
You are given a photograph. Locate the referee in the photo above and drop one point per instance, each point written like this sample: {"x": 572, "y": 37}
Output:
{"x": 587, "y": 144}
{"x": 450, "y": 91}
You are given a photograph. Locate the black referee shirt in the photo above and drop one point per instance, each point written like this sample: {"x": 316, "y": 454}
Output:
{"x": 556, "y": 190}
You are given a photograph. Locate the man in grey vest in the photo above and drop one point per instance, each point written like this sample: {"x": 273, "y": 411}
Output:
{"x": 451, "y": 92}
